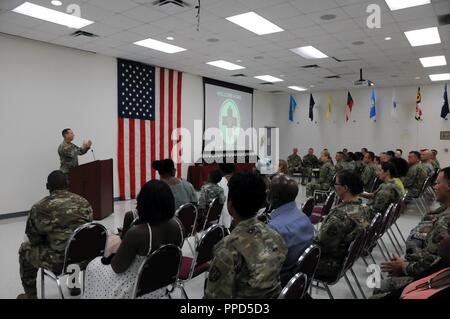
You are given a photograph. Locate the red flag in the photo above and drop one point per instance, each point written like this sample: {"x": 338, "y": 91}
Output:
{"x": 350, "y": 107}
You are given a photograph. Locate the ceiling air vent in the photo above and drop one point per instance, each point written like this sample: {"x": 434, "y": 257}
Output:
{"x": 333, "y": 77}
{"x": 266, "y": 83}
{"x": 240, "y": 75}
{"x": 311, "y": 66}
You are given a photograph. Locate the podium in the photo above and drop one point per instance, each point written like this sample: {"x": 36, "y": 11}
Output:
{"x": 94, "y": 181}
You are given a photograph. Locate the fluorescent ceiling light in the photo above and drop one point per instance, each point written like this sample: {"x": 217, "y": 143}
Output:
{"x": 57, "y": 3}
{"x": 50, "y": 15}
{"x": 403, "y": 4}
{"x": 268, "y": 78}
{"x": 309, "y": 52}
{"x": 225, "y": 65}
{"x": 440, "y": 77}
{"x": 254, "y": 23}
{"x": 297, "y": 88}
{"x": 423, "y": 36}
{"x": 159, "y": 46}
{"x": 433, "y": 61}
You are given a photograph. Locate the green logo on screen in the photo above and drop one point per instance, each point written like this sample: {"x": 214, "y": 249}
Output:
{"x": 230, "y": 121}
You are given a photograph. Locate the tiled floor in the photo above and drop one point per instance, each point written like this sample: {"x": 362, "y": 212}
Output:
{"x": 12, "y": 234}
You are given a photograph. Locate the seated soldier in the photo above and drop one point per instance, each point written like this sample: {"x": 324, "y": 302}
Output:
{"x": 402, "y": 270}
{"x": 210, "y": 191}
{"x": 326, "y": 175}
{"x": 289, "y": 221}
{"x": 369, "y": 171}
{"x": 50, "y": 224}
{"x": 416, "y": 175}
{"x": 387, "y": 193}
{"x": 342, "y": 225}
{"x": 310, "y": 161}
{"x": 342, "y": 163}
{"x": 295, "y": 164}
{"x": 247, "y": 263}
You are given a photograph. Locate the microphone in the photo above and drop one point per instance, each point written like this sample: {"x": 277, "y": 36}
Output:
{"x": 93, "y": 154}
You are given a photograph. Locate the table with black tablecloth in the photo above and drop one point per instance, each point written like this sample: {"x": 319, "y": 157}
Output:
{"x": 198, "y": 174}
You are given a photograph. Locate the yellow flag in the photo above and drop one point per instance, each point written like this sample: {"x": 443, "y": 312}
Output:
{"x": 330, "y": 106}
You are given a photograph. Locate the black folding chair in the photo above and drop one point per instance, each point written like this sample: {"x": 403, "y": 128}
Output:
{"x": 187, "y": 215}
{"x": 213, "y": 214}
{"x": 296, "y": 287}
{"x": 159, "y": 270}
{"x": 199, "y": 264}
{"x": 86, "y": 243}
{"x": 308, "y": 206}
{"x": 351, "y": 256}
{"x": 319, "y": 212}
{"x": 308, "y": 262}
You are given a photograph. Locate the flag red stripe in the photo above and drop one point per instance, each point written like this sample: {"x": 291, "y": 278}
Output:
{"x": 179, "y": 85}
{"x": 170, "y": 113}
{"x": 152, "y": 147}
{"x": 161, "y": 113}
{"x": 120, "y": 159}
{"x": 132, "y": 159}
{"x": 143, "y": 153}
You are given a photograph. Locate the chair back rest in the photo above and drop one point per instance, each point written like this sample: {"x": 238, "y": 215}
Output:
{"x": 205, "y": 247}
{"x": 308, "y": 262}
{"x": 160, "y": 269}
{"x": 214, "y": 211}
{"x": 308, "y": 206}
{"x": 187, "y": 214}
{"x": 372, "y": 230}
{"x": 328, "y": 203}
{"x": 387, "y": 218}
{"x": 86, "y": 243}
{"x": 295, "y": 288}
{"x": 424, "y": 185}
{"x": 354, "y": 251}
{"x": 376, "y": 183}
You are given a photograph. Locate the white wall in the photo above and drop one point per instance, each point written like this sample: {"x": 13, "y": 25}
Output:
{"x": 388, "y": 132}
{"x": 45, "y": 88}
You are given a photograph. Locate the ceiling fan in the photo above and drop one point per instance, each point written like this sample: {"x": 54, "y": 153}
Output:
{"x": 180, "y": 3}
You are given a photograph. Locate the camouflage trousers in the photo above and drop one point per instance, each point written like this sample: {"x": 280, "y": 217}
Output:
{"x": 391, "y": 284}
{"x": 328, "y": 268}
{"x": 311, "y": 187}
{"x": 31, "y": 258}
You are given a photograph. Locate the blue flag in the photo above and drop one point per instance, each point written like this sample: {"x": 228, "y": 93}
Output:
{"x": 373, "y": 110}
{"x": 292, "y": 107}
{"x": 445, "y": 109}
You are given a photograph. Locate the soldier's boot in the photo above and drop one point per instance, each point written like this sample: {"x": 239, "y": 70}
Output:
{"x": 28, "y": 273}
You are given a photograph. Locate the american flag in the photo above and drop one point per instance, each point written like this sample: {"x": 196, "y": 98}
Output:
{"x": 149, "y": 109}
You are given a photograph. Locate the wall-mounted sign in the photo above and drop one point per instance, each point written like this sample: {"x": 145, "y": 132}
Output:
{"x": 445, "y": 135}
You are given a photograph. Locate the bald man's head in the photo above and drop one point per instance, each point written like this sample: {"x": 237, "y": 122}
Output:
{"x": 283, "y": 190}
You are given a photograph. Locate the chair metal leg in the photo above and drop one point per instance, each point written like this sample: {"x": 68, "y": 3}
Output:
{"x": 357, "y": 283}
{"x": 396, "y": 240}
{"x": 58, "y": 282}
{"x": 374, "y": 262}
{"x": 401, "y": 235}
{"x": 365, "y": 261}
{"x": 392, "y": 242}
{"x": 42, "y": 284}
{"x": 382, "y": 252}
{"x": 351, "y": 287}
{"x": 385, "y": 247}
{"x": 327, "y": 290}
{"x": 183, "y": 292}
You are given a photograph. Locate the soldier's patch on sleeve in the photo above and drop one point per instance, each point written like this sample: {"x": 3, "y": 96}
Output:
{"x": 214, "y": 274}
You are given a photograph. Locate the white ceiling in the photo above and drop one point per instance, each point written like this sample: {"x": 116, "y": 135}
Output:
{"x": 119, "y": 23}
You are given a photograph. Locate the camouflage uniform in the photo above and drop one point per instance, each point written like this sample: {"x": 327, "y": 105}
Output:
{"x": 388, "y": 193}
{"x": 344, "y": 165}
{"x": 68, "y": 155}
{"x": 368, "y": 176}
{"x": 208, "y": 192}
{"x": 416, "y": 238}
{"x": 359, "y": 167}
{"x": 341, "y": 226}
{"x": 429, "y": 168}
{"x": 247, "y": 263}
{"x": 310, "y": 161}
{"x": 50, "y": 224}
{"x": 326, "y": 175}
{"x": 436, "y": 164}
{"x": 414, "y": 179}
{"x": 422, "y": 259}
{"x": 295, "y": 164}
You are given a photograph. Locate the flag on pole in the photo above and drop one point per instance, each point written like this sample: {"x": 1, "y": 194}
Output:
{"x": 311, "y": 107}
{"x": 373, "y": 109}
{"x": 149, "y": 110}
{"x": 292, "y": 107}
{"x": 330, "y": 106}
{"x": 445, "y": 109}
{"x": 350, "y": 106}
{"x": 418, "y": 115}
